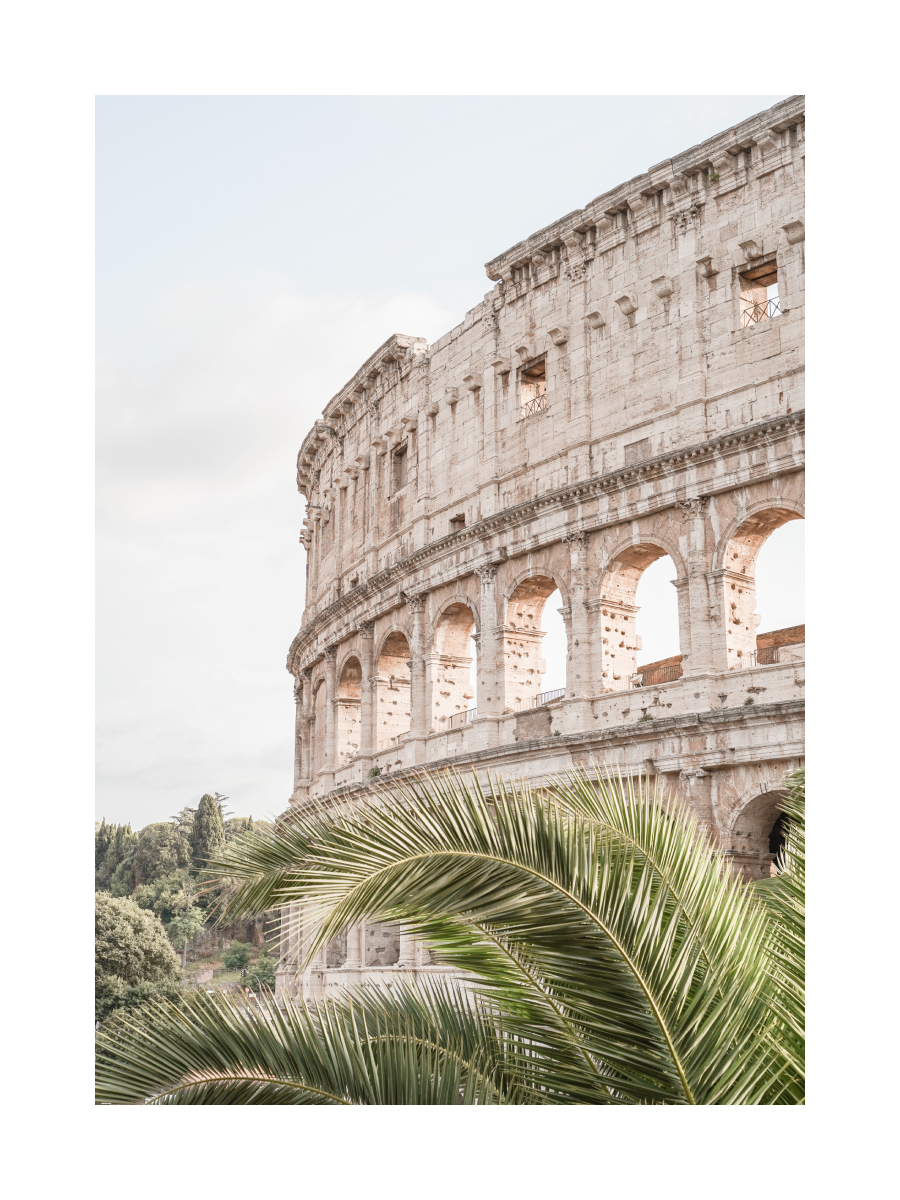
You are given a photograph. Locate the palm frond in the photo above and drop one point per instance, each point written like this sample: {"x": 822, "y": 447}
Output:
{"x": 414, "y": 1046}
{"x": 601, "y": 930}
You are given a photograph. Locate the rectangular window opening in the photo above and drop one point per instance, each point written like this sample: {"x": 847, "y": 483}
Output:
{"x": 759, "y": 294}
{"x": 399, "y": 468}
{"x": 533, "y": 387}
{"x": 458, "y": 522}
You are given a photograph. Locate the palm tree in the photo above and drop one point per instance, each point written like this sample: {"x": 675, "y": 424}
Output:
{"x": 611, "y": 957}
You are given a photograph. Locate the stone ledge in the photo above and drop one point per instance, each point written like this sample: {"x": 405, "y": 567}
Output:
{"x": 619, "y": 735}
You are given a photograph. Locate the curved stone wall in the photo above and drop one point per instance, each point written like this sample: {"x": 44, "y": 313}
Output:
{"x": 626, "y": 390}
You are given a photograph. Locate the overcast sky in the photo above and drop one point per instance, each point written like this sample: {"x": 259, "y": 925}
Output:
{"x": 251, "y": 253}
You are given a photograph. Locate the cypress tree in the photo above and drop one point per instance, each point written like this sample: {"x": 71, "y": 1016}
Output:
{"x": 208, "y": 834}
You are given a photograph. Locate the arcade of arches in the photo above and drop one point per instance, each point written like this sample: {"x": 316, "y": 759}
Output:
{"x": 417, "y": 687}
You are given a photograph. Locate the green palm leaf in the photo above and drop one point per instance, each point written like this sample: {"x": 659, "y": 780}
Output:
{"x": 621, "y": 941}
{"x": 414, "y": 1046}
{"x": 610, "y": 958}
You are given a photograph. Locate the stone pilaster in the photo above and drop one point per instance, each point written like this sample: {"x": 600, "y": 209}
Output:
{"x": 330, "y": 716}
{"x": 298, "y": 732}
{"x": 700, "y": 660}
{"x": 420, "y": 722}
{"x": 490, "y": 698}
{"x": 356, "y": 946}
{"x": 367, "y": 690}
{"x": 578, "y": 658}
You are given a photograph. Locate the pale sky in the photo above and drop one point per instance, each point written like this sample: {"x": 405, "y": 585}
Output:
{"x": 251, "y": 253}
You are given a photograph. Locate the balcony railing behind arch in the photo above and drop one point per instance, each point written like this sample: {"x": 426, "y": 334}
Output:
{"x": 760, "y": 312}
{"x": 458, "y": 720}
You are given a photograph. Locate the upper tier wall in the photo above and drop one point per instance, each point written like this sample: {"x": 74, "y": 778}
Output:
{"x": 631, "y": 307}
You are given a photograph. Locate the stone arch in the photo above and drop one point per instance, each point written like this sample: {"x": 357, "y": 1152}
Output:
{"x": 748, "y": 828}
{"x": 522, "y": 662}
{"x": 451, "y": 690}
{"x": 381, "y": 641}
{"x": 640, "y": 553}
{"x": 349, "y": 709}
{"x": 392, "y": 688}
{"x": 735, "y": 560}
{"x": 456, "y": 599}
{"x": 617, "y": 613}
{"x": 751, "y": 528}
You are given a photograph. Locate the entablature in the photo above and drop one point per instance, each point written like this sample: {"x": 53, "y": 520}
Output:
{"x": 755, "y": 147}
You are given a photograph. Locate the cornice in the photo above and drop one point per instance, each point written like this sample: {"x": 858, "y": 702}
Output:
{"x": 637, "y": 732}
{"x": 638, "y": 196}
{"x": 397, "y": 577}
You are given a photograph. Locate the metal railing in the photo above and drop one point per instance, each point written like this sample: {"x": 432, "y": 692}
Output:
{"x": 665, "y": 674}
{"x": 458, "y": 720}
{"x": 535, "y": 405}
{"x": 760, "y": 312}
{"x": 762, "y": 657}
{"x": 545, "y": 697}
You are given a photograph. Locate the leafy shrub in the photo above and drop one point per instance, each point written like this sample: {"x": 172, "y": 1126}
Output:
{"x": 112, "y": 993}
{"x": 237, "y": 956}
{"x": 264, "y": 970}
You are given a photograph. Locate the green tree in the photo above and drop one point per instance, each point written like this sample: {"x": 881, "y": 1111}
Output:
{"x": 208, "y": 835}
{"x": 164, "y": 896}
{"x": 131, "y": 952}
{"x": 160, "y": 851}
{"x": 184, "y": 925}
{"x": 611, "y": 960}
{"x": 114, "y": 847}
{"x": 237, "y": 956}
{"x": 263, "y": 971}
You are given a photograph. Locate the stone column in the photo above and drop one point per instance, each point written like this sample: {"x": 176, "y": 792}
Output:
{"x": 367, "y": 692}
{"x": 408, "y": 957}
{"x": 419, "y": 723}
{"x": 356, "y": 944}
{"x": 305, "y": 727}
{"x": 490, "y": 699}
{"x": 699, "y": 661}
{"x": 298, "y": 731}
{"x": 578, "y": 658}
{"x": 330, "y": 716}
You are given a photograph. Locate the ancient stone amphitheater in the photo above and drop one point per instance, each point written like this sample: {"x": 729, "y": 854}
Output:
{"x": 631, "y": 387}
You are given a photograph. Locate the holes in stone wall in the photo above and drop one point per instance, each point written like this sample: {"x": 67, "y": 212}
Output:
{"x": 640, "y": 600}
{"x": 392, "y": 691}
{"x": 453, "y": 689}
{"x": 524, "y": 662}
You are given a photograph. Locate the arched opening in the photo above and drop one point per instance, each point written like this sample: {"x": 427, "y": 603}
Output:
{"x": 392, "y": 691}
{"x": 523, "y": 659}
{"x": 764, "y": 570}
{"x": 656, "y": 624}
{"x": 317, "y": 733}
{"x": 555, "y": 646}
{"x": 622, "y": 631}
{"x": 452, "y": 667}
{"x": 349, "y": 711}
{"x": 758, "y": 835}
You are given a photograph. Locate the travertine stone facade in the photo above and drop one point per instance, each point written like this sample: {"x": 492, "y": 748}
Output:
{"x": 630, "y": 387}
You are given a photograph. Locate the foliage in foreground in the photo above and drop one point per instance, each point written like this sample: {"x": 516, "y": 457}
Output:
{"x": 610, "y": 960}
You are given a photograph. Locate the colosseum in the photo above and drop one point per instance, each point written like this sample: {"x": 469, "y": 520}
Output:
{"x": 630, "y": 387}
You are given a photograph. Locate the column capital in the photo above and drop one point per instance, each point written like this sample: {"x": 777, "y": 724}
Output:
{"x": 366, "y": 629}
{"x": 331, "y": 653}
{"x": 416, "y": 601}
{"x": 487, "y": 573}
{"x": 574, "y": 538}
{"x": 306, "y": 674}
{"x": 694, "y": 506}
